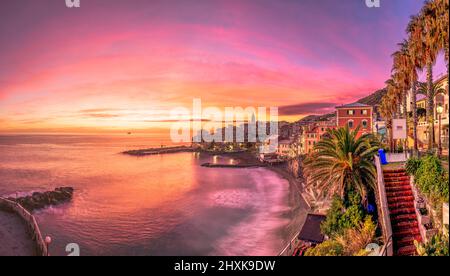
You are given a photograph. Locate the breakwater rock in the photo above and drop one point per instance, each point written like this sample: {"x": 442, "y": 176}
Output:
{"x": 155, "y": 151}
{"x": 41, "y": 200}
{"x": 233, "y": 166}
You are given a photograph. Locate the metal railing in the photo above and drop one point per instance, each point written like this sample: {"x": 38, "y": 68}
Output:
{"x": 384, "y": 209}
{"x": 385, "y": 249}
{"x": 288, "y": 250}
{"x": 31, "y": 223}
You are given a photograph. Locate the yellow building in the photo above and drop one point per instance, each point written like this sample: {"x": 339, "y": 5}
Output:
{"x": 441, "y": 102}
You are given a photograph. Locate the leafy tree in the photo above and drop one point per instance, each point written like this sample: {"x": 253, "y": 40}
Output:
{"x": 327, "y": 248}
{"x": 354, "y": 240}
{"x": 342, "y": 216}
{"x": 351, "y": 242}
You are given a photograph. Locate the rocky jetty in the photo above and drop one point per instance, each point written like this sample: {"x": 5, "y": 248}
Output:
{"x": 155, "y": 151}
{"x": 233, "y": 166}
{"x": 41, "y": 200}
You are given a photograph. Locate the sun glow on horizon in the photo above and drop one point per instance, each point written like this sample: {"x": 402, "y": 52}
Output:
{"x": 124, "y": 66}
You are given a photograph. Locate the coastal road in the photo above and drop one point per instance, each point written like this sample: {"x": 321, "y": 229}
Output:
{"x": 14, "y": 239}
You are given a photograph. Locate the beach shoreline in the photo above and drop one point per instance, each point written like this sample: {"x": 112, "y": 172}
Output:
{"x": 299, "y": 205}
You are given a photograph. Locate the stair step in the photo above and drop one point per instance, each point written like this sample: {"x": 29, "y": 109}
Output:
{"x": 403, "y": 217}
{"x": 393, "y": 175}
{"x": 398, "y": 199}
{"x": 396, "y": 179}
{"x": 409, "y": 250}
{"x": 399, "y": 187}
{"x": 404, "y": 224}
{"x": 396, "y": 207}
{"x": 395, "y": 171}
{"x": 399, "y": 193}
{"x": 406, "y": 232}
{"x": 406, "y": 241}
{"x": 402, "y": 211}
{"x": 395, "y": 182}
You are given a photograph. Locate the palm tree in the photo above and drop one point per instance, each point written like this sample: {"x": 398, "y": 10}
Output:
{"x": 442, "y": 24}
{"x": 415, "y": 54}
{"x": 387, "y": 112}
{"x": 436, "y": 88}
{"x": 401, "y": 70}
{"x": 430, "y": 40}
{"x": 342, "y": 162}
{"x": 388, "y": 109}
{"x": 394, "y": 91}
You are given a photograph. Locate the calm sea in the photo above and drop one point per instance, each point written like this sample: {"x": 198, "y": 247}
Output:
{"x": 156, "y": 205}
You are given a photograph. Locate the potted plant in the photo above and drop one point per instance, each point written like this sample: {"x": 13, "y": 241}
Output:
{"x": 420, "y": 203}
{"x": 430, "y": 231}
{"x": 424, "y": 216}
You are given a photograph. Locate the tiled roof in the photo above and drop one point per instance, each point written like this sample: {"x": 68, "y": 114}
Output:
{"x": 353, "y": 105}
{"x": 311, "y": 229}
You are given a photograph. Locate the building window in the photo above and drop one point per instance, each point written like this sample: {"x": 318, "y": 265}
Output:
{"x": 364, "y": 123}
{"x": 364, "y": 112}
{"x": 350, "y": 124}
{"x": 350, "y": 112}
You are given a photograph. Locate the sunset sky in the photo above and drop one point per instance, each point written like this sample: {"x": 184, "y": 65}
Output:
{"x": 124, "y": 64}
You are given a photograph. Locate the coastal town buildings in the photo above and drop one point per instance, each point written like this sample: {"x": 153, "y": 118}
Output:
{"x": 316, "y": 131}
{"x": 441, "y": 103}
{"x": 285, "y": 147}
{"x": 354, "y": 115}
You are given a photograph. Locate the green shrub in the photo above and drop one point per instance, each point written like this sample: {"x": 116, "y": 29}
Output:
{"x": 412, "y": 165}
{"x": 327, "y": 248}
{"x": 436, "y": 246}
{"x": 343, "y": 215}
{"x": 431, "y": 179}
{"x": 352, "y": 242}
{"x": 441, "y": 188}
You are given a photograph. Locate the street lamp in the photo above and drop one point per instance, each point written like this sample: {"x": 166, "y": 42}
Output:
{"x": 48, "y": 241}
{"x": 439, "y": 110}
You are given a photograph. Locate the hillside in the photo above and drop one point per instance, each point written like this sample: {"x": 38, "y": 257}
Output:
{"x": 374, "y": 98}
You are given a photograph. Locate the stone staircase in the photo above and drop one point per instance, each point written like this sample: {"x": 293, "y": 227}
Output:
{"x": 400, "y": 197}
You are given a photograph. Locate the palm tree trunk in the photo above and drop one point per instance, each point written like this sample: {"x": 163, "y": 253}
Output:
{"x": 414, "y": 115}
{"x": 404, "y": 104}
{"x": 405, "y": 116}
{"x": 389, "y": 133}
{"x": 430, "y": 106}
{"x": 446, "y": 59}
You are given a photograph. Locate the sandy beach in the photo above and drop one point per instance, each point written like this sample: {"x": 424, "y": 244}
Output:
{"x": 298, "y": 213}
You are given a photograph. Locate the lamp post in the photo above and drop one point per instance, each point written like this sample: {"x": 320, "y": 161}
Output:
{"x": 439, "y": 110}
{"x": 48, "y": 241}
